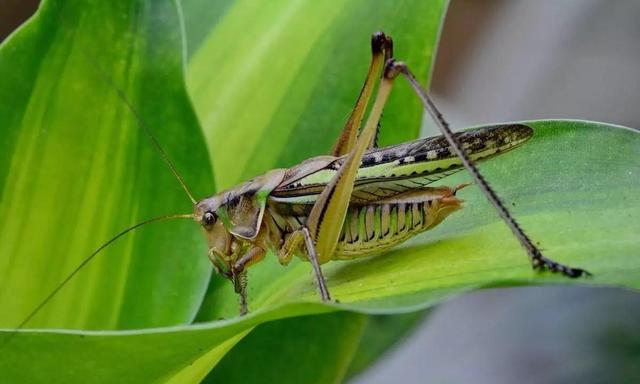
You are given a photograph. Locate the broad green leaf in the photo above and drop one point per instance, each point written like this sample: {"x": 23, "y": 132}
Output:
{"x": 572, "y": 186}
{"x": 132, "y": 356}
{"x": 76, "y": 168}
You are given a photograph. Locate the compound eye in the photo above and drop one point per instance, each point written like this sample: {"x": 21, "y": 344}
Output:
{"x": 208, "y": 218}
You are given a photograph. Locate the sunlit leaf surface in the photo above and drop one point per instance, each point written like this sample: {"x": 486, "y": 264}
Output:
{"x": 76, "y": 168}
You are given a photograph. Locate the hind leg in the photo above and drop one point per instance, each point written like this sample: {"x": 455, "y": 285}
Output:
{"x": 381, "y": 51}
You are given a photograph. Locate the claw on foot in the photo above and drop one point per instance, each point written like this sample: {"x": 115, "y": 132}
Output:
{"x": 542, "y": 264}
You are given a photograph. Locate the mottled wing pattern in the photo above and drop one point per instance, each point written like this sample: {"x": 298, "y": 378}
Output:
{"x": 389, "y": 171}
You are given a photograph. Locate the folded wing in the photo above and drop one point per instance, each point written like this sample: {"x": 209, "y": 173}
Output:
{"x": 389, "y": 171}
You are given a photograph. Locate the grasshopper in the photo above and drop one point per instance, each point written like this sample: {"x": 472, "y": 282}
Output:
{"x": 358, "y": 201}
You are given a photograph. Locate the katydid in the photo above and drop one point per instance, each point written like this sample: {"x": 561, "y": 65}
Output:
{"x": 358, "y": 201}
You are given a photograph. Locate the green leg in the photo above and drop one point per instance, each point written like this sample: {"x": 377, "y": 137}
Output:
{"x": 381, "y": 51}
{"x": 328, "y": 213}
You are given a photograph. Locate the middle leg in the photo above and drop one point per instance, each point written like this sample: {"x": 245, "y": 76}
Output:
{"x": 238, "y": 274}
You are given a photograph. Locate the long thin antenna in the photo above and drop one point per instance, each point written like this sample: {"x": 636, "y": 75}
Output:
{"x": 538, "y": 260}
{"x": 142, "y": 126}
{"x": 86, "y": 261}
{"x": 156, "y": 144}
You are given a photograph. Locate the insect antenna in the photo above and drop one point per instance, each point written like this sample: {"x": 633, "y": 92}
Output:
{"x": 86, "y": 261}
{"x": 100, "y": 71}
{"x": 141, "y": 124}
{"x": 539, "y": 261}
{"x": 139, "y": 120}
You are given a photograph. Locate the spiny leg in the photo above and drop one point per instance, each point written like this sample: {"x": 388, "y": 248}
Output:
{"x": 294, "y": 243}
{"x": 328, "y": 213}
{"x": 381, "y": 51}
{"x": 538, "y": 260}
{"x": 239, "y": 274}
{"x": 313, "y": 257}
{"x": 240, "y": 287}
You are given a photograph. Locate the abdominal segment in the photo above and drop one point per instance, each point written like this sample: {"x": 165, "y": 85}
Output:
{"x": 370, "y": 229}
{"x": 373, "y": 227}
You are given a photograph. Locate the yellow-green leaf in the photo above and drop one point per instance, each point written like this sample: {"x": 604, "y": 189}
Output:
{"x": 76, "y": 168}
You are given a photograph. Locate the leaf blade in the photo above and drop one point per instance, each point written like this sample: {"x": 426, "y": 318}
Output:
{"x": 79, "y": 164}
{"x": 464, "y": 261}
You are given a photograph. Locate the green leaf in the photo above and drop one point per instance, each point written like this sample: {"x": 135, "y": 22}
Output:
{"x": 76, "y": 168}
{"x": 574, "y": 191}
{"x": 287, "y": 73}
{"x": 307, "y": 349}
{"x": 572, "y": 187}
{"x": 316, "y": 59}
{"x": 140, "y": 356}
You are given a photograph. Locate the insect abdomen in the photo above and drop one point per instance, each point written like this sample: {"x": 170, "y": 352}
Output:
{"x": 369, "y": 229}
{"x": 376, "y": 226}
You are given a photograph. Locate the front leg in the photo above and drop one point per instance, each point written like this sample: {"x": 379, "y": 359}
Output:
{"x": 239, "y": 274}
